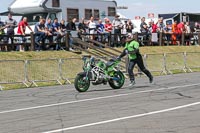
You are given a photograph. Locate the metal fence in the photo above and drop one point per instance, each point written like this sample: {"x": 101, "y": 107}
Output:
{"x": 30, "y": 72}
{"x": 13, "y": 71}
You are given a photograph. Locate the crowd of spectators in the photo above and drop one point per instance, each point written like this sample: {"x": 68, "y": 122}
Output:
{"x": 45, "y": 31}
{"x": 52, "y": 31}
{"x": 172, "y": 34}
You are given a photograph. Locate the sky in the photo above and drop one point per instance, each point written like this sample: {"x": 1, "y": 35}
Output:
{"x": 143, "y": 7}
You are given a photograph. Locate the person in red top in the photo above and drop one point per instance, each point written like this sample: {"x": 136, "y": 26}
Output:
{"x": 108, "y": 29}
{"x": 154, "y": 27}
{"x": 21, "y": 31}
{"x": 181, "y": 29}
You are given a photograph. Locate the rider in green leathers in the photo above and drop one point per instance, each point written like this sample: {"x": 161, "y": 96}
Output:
{"x": 132, "y": 49}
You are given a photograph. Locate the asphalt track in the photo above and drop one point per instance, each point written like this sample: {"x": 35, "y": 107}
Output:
{"x": 170, "y": 105}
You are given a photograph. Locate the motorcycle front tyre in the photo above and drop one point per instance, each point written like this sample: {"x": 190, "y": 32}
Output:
{"x": 81, "y": 83}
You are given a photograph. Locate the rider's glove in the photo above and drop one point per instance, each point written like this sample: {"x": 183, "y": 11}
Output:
{"x": 126, "y": 51}
{"x": 118, "y": 58}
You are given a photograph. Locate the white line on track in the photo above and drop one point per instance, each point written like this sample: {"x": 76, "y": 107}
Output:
{"x": 124, "y": 118}
{"x": 97, "y": 98}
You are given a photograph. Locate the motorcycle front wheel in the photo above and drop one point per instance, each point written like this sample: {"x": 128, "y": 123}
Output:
{"x": 81, "y": 83}
{"x": 117, "y": 81}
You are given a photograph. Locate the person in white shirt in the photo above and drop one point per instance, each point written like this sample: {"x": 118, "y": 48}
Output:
{"x": 187, "y": 33}
{"x": 92, "y": 27}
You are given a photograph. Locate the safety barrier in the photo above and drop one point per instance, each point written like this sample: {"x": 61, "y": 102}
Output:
{"x": 42, "y": 71}
{"x": 175, "y": 62}
{"x": 13, "y": 71}
{"x": 192, "y": 60}
{"x": 66, "y": 67}
{"x": 158, "y": 62}
{"x": 29, "y": 72}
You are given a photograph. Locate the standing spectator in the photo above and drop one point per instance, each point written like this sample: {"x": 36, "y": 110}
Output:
{"x": 92, "y": 27}
{"x": 181, "y": 29}
{"x": 2, "y": 27}
{"x": 143, "y": 26}
{"x": 10, "y": 25}
{"x": 196, "y": 31}
{"x": 154, "y": 27}
{"x": 117, "y": 25}
{"x": 129, "y": 26}
{"x": 124, "y": 29}
{"x": 168, "y": 32}
{"x": 188, "y": 32}
{"x": 72, "y": 24}
{"x": 40, "y": 33}
{"x": 160, "y": 25}
{"x": 21, "y": 31}
{"x": 160, "y": 29}
{"x": 82, "y": 28}
{"x": 174, "y": 33}
{"x": 100, "y": 30}
{"x": 144, "y": 30}
{"x": 154, "y": 33}
{"x": 108, "y": 29}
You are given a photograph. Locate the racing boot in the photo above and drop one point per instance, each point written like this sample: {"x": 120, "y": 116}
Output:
{"x": 151, "y": 79}
{"x": 132, "y": 83}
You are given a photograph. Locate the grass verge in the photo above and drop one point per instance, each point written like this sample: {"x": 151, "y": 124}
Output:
{"x": 73, "y": 67}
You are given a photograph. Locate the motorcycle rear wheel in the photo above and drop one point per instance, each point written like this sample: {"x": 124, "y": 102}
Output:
{"x": 81, "y": 83}
{"x": 117, "y": 84}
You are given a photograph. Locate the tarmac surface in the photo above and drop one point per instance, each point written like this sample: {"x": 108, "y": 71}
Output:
{"x": 170, "y": 105}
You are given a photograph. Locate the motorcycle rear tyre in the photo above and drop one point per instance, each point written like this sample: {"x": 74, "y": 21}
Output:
{"x": 120, "y": 83}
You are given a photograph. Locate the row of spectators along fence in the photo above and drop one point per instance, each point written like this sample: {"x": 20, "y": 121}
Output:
{"x": 109, "y": 40}
{"x": 30, "y": 72}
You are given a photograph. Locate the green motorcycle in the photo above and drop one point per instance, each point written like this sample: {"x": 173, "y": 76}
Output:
{"x": 98, "y": 72}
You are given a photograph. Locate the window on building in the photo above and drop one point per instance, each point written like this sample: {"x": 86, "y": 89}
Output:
{"x": 96, "y": 14}
{"x": 88, "y": 13}
{"x": 111, "y": 11}
{"x": 55, "y": 3}
{"x": 72, "y": 13}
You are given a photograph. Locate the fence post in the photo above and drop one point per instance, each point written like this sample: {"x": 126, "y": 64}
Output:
{"x": 199, "y": 38}
{"x": 136, "y": 36}
{"x": 67, "y": 41}
{"x": 183, "y": 39}
{"x": 186, "y": 68}
{"x": 109, "y": 39}
{"x": 25, "y": 72}
{"x": 32, "y": 41}
{"x": 160, "y": 38}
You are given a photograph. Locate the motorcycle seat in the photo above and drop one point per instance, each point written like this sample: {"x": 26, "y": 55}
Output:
{"x": 110, "y": 63}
